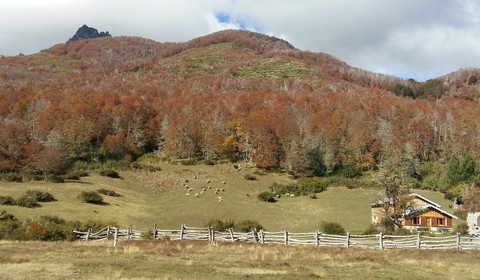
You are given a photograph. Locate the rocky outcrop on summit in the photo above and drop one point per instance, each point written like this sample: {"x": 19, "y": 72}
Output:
{"x": 86, "y": 32}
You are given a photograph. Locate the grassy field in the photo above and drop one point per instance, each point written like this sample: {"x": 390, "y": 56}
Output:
{"x": 160, "y": 198}
{"x": 200, "y": 260}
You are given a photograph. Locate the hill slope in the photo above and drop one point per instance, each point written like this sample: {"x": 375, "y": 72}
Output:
{"x": 232, "y": 94}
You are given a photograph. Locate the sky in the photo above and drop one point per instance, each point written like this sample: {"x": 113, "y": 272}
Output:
{"x": 419, "y": 39}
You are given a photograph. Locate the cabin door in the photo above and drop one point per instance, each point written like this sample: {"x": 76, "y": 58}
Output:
{"x": 428, "y": 222}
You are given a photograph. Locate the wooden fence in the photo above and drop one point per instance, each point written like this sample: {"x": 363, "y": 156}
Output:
{"x": 378, "y": 241}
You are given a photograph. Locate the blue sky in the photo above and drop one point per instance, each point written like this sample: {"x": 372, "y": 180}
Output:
{"x": 418, "y": 39}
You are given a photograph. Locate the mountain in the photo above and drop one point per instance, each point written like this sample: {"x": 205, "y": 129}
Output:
{"x": 85, "y": 32}
{"x": 234, "y": 95}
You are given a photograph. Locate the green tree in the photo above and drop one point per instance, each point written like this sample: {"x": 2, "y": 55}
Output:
{"x": 460, "y": 170}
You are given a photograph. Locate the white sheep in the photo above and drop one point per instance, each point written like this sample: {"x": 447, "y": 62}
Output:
{"x": 197, "y": 195}
{"x": 187, "y": 194}
{"x": 208, "y": 181}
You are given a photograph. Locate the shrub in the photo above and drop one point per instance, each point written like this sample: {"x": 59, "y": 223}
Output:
{"x": 247, "y": 226}
{"x": 462, "y": 229}
{"x": 108, "y": 192}
{"x": 90, "y": 197}
{"x": 346, "y": 171}
{"x": 41, "y": 196}
{"x": 332, "y": 228}
{"x": 250, "y": 177}
{"x": 55, "y": 179}
{"x": 188, "y": 162}
{"x": 27, "y": 201}
{"x": 12, "y": 177}
{"x": 267, "y": 197}
{"x": 305, "y": 186}
{"x": 220, "y": 225}
{"x": 12, "y": 230}
{"x": 209, "y": 162}
{"x": 372, "y": 229}
{"x": 110, "y": 173}
{"x": 76, "y": 175}
{"x": 4, "y": 216}
{"x": 7, "y": 200}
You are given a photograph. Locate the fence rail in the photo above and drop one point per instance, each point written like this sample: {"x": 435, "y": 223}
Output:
{"x": 378, "y": 241}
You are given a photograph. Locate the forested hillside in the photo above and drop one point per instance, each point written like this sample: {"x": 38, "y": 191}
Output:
{"x": 233, "y": 95}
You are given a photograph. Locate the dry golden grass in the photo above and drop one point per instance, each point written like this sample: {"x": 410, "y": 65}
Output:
{"x": 200, "y": 260}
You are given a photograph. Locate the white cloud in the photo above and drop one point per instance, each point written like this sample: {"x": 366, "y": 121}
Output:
{"x": 415, "y": 38}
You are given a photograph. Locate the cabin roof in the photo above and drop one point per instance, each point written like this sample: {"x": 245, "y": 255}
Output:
{"x": 415, "y": 210}
{"x": 426, "y": 200}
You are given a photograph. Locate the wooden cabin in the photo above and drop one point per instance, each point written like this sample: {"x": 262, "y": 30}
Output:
{"x": 421, "y": 214}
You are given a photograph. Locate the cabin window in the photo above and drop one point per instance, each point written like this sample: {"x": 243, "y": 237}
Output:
{"x": 441, "y": 222}
{"x": 416, "y": 221}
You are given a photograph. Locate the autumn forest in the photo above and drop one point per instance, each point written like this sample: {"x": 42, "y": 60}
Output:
{"x": 233, "y": 95}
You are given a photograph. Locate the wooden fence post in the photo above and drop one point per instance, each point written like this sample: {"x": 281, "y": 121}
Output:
{"x": 317, "y": 238}
{"x": 458, "y": 241}
{"x": 418, "y": 241}
{"x": 182, "y": 231}
{"x": 115, "y": 238}
{"x": 262, "y": 237}
{"x": 380, "y": 239}
{"x": 230, "y": 230}
{"x": 347, "y": 241}
{"x": 89, "y": 231}
{"x": 254, "y": 236}
{"x": 211, "y": 232}
{"x": 155, "y": 231}
{"x": 108, "y": 231}
{"x": 129, "y": 232}
{"x": 286, "y": 238}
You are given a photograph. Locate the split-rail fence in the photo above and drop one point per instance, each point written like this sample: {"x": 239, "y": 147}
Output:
{"x": 317, "y": 238}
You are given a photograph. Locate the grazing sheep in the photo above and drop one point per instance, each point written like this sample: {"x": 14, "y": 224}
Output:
{"x": 222, "y": 189}
{"x": 220, "y": 200}
{"x": 216, "y": 192}
{"x": 186, "y": 186}
{"x": 209, "y": 187}
{"x": 187, "y": 194}
{"x": 190, "y": 190}
{"x": 287, "y": 194}
{"x": 219, "y": 197}
{"x": 201, "y": 192}
{"x": 292, "y": 195}
{"x": 223, "y": 182}
{"x": 208, "y": 181}
{"x": 204, "y": 189}
{"x": 195, "y": 177}
{"x": 197, "y": 195}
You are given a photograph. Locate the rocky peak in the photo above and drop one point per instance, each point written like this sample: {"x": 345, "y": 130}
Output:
{"x": 86, "y": 32}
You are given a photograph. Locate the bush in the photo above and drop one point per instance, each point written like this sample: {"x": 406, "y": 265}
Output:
{"x": 12, "y": 230}
{"x": 7, "y": 200}
{"x": 4, "y": 216}
{"x": 108, "y": 192}
{"x": 346, "y": 171}
{"x": 220, "y": 225}
{"x": 76, "y": 175}
{"x": 306, "y": 186}
{"x": 250, "y": 177}
{"x": 209, "y": 162}
{"x": 110, "y": 173}
{"x": 267, "y": 197}
{"x": 55, "y": 179}
{"x": 90, "y": 197}
{"x": 247, "y": 226}
{"x": 27, "y": 201}
{"x": 462, "y": 229}
{"x": 12, "y": 177}
{"x": 332, "y": 228}
{"x": 41, "y": 196}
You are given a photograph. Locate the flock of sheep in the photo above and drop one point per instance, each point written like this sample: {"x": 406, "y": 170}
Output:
{"x": 203, "y": 190}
